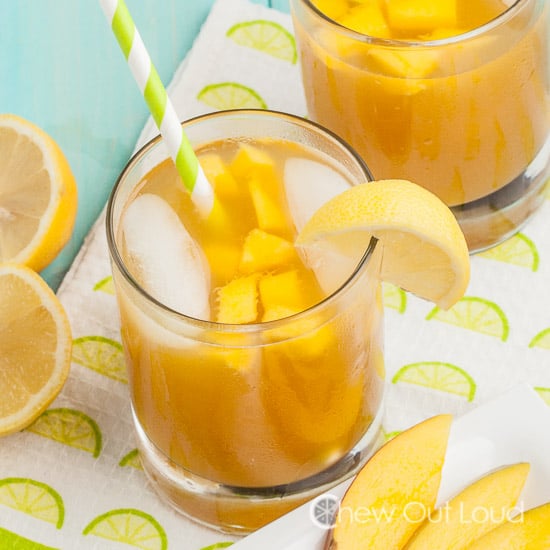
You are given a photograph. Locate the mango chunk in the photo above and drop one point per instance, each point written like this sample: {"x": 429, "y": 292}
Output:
{"x": 263, "y": 251}
{"x": 223, "y": 259}
{"x": 269, "y": 206}
{"x": 412, "y": 17}
{"x": 333, "y": 10}
{"x": 282, "y": 291}
{"x": 238, "y": 301}
{"x": 405, "y": 63}
{"x": 219, "y": 175}
{"x": 251, "y": 162}
{"x": 367, "y": 18}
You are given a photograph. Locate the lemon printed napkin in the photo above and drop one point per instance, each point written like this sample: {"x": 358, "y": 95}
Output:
{"x": 73, "y": 479}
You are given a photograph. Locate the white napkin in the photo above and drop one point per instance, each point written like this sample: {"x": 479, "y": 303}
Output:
{"x": 90, "y": 486}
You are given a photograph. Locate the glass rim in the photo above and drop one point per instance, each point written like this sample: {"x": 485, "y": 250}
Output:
{"x": 500, "y": 19}
{"x": 251, "y": 328}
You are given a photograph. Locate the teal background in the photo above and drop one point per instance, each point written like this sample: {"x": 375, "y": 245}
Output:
{"x": 61, "y": 68}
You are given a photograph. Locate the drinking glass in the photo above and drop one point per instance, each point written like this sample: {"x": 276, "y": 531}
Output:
{"x": 465, "y": 116}
{"x": 237, "y": 424}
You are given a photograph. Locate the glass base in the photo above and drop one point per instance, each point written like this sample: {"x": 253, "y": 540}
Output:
{"x": 241, "y": 510}
{"x": 494, "y": 218}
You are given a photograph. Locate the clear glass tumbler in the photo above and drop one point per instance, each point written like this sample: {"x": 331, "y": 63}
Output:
{"x": 237, "y": 424}
{"x": 465, "y": 116}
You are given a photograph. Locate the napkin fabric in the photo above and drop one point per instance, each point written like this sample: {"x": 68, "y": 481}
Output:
{"x": 90, "y": 486}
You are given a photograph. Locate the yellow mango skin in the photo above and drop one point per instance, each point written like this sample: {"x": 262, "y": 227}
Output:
{"x": 395, "y": 489}
{"x": 457, "y": 524}
{"x": 531, "y": 532}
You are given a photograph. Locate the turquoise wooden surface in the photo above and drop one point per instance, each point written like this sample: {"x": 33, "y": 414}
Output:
{"x": 60, "y": 67}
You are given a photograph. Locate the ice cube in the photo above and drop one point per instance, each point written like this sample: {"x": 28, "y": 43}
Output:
{"x": 164, "y": 258}
{"x": 308, "y": 185}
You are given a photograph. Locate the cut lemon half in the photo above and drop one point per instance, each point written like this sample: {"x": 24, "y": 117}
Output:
{"x": 424, "y": 250}
{"x": 35, "y": 339}
{"x": 38, "y": 194}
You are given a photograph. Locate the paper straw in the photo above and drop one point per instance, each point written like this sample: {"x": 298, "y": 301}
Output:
{"x": 160, "y": 106}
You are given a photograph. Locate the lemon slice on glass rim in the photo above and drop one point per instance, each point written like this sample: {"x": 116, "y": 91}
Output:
{"x": 424, "y": 249}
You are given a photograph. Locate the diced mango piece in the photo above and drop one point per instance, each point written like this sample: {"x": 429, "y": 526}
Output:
{"x": 333, "y": 10}
{"x": 283, "y": 291}
{"x": 420, "y": 16}
{"x": 367, "y": 18}
{"x": 238, "y": 301}
{"x": 263, "y": 251}
{"x": 405, "y": 63}
{"x": 219, "y": 175}
{"x": 219, "y": 220}
{"x": 251, "y": 162}
{"x": 223, "y": 259}
{"x": 269, "y": 207}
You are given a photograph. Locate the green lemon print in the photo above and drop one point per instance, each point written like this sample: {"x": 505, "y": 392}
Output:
{"x": 131, "y": 460}
{"x": 130, "y": 526}
{"x": 518, "y": 250}
{"x": 70, "y": 427}
{"x": 438, "y": 376}
{"x": 231, "y": 95}
{"x": 265, "y": 36}
{"x": 102, "y": 355}
{"x": 394, "y": 297}
{"x": 544, "y": 393}
{"x": 33, "y": 498}
{"x": 105, "y": 285}
{"x": 475, "y": 314}
{"x": 12, "y": 541}
{"x": 541, "y": 340}
{"x": 217, "y": 545}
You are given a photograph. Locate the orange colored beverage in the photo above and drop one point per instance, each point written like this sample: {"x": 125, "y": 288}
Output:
{"x": 279, "y": 376}
{"x": 452, "y": 95}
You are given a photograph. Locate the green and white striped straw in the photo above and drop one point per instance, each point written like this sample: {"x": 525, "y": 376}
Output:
{"x": 159, "y": 103}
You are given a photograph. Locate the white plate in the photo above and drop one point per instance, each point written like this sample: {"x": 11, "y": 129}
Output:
{"x": 514, "y": 427}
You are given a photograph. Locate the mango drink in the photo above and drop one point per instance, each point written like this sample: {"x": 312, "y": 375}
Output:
{"x": 452, "y": 95}
{"x": 271, "y": 370}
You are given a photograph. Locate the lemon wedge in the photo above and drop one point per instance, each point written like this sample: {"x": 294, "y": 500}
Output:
{"x": 38, "y": 194}
{"x": 35, "y": 339}
{"x": 424, "y": 250}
